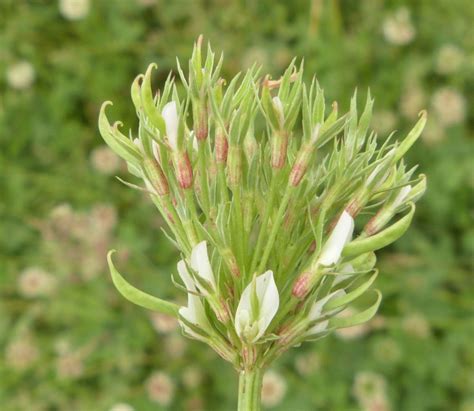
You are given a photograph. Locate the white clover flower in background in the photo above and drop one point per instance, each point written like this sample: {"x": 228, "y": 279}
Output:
{"x": 160, "y": 388}
{"x": 398, "y": 28}
{"x": 162, "y": 323}
{"x": 74, "y": 9}
{"x": 449, "y": 59}
{"x": 174, "y": 345}
{"x": 36, "y": 282}
{"x": 354, "y": 332}
{"x": 21, "y": 75}
{"x": 273, "y": 388}
{"x": 370, "y": 388}
{"x": 21, "y": 353}
{"x": 308, "y": 363}
{"x": 248, "y": 326}
{"x": 105, "y": 161}
{"x": 121, "y": 406}
{"x": 449, "y": 106}
{"x": 416, "y": 325}
{"x": 69, "y": 366}
{"x": 384, "y": 122}
{"x": 434, "y": 133}
{"x": 412, "y": 101}
{"x": 192, "y": 377}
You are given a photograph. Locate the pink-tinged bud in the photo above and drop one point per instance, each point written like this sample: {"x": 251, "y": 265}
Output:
{"x": 234, "y": 166}
{"x": 302, "y": 285}
{"x": 156, "y": 176}
{"x": 201, "y": 128}
{"x": 279, "y": 149}
{"x": 222, "y": 147}
{"x": 184, "y": 171}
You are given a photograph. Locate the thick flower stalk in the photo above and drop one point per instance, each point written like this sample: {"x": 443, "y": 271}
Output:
{"x": 275, "y": 202}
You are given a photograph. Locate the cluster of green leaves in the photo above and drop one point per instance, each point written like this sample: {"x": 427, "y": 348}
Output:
{"x": 48, "y": 131}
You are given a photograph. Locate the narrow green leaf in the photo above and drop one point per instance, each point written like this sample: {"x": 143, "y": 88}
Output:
{"x": 411, "y": 137}
{"x": 381, "y": 239}
{"x": 137, "y": 296}
{"x": 351, "y": 296}
{"x": 359, "y": 318}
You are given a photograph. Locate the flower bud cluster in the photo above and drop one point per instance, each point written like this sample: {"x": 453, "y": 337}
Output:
{"x": 266, "y": 193}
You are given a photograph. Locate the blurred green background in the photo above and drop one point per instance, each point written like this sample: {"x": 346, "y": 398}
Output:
{"x": 68, "y": 341}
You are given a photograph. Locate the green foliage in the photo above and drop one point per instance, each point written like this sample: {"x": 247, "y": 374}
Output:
{"x": 85, "y": 347}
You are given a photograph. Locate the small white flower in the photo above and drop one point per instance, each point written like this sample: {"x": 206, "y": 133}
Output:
{"x": 316, "y": 311}
{"x": 251, "y": 322}
{"x": 21, "y": 75}
{"x": 449, "y": 106}
{"x": 74, "y": 9}
{"x": 200, "y": 263}
{"x": 449, "y": 59}
{"x": 341, "y": 234}
{"x": 194, "y": 312}
{"x": 170, "y": 115}
{"x": 273, "y": 388}
{"x": 122, "y": 406}
{"x": 104, "y": 160}
{"x": 160, "y": 388}
{"x": 398, "y": 28}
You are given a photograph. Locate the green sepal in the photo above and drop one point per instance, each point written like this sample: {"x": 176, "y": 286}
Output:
{"x": 412, "y": 136}
{"x": 120, "y": 144}
{"x": 381, "y": 239}
{"x": 351, "y": 296}
{"x": 359, "y": 318}
{"x": 148, "y": 102}
{"x": 137, "y": 296}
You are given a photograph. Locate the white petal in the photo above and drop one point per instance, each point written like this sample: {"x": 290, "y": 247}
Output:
{"x": 318, "y": 306}
{"x": 200, "y": 263}
{"x": 269, "y": 299}
{"x": 139, "y": 144}
{"x": 156, "y": 150}
{"x": 402, "y": 195}
{"x": 344, "y": 273}
{"x": 185, "y": 276}
{"x": 319, "y": 327}
{"x": 242, "y": 318}
{"x": 341, "y": 234}
{"x": 170, "y": 115}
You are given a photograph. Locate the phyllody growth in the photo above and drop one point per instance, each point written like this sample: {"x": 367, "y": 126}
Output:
{"x": 275, "y": 202}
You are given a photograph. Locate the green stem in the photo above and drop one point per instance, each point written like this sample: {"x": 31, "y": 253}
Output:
{"x": 250, "y": 386}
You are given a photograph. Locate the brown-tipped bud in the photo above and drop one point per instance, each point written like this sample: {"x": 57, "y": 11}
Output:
{"x": 353, "y": 208}
{"x": 221, "y": 146}
{"x": 201, "y": 128}
{"x": 373, "y": 225}
{"x": 234, "y": 166}
{"x": 222, "y": 312}
{"x": 279, "y": 149}
{"x": 231, "y": 262}
{"x": 302, "y": 285}
{"x": 184, "y": 170}
{"x": 155, "y": 176}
